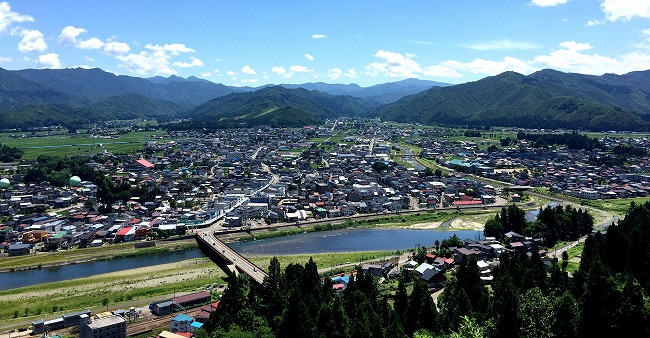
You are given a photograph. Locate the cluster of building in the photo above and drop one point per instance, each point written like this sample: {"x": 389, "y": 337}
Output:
{"x": 432, "y": 271}
{"x": 584, "y": 174}
{"x": 248, "y": 178}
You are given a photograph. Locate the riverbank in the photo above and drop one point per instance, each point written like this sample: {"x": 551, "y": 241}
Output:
{"x": 79, "y": 256}
{"x": 137, "y": 287}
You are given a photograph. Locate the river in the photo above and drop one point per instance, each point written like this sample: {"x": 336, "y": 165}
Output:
{"x": 345, "y": 240}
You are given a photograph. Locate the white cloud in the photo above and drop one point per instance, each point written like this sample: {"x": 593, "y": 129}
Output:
{"x": 49, "y": 60}
{"x": 441, "y": 71}
{"x": 300, "y": 69}
{"x": 83, "y": 66}
{"x": 490, "y": 67}
{"x": 230, "y": 72}
{"x": 394, "y": 65}
{"x": 505, "y": 44}
{"x": 351, "y": 73}
{"x": 249, "y": 80}
{"x": 92, "y": 43}
{"x": 7, "y": 17}
{"x": 69, "y": 36}
{"x": 594, "y": 22}
{"x": 32, "y": 41}
{"x": 172, "y": 48}
{"x": 279, "y": 70}
{"x": 318, "y": 36}
{"x": 625, "y": 9}
{"x": 421, "y": 42}
{"x": 89, "y": 59}
{"x": 548, "y": 3}
{"x": 334, "y": 73}
{"x": 206, "y": 74}
{"x": 116, "y": 48}
{"x": 145, "y": 63}
{"x": 572, "y": 60}
{"x": 5, "y": 59}
{"x": 398, "y": 65}
{"x": 572, "y": 45}
{"x": 248, "y": 70}
{"x": 216, "y": 71}
{"x": 195, "y": 63}
{"x": 309, "y": 57}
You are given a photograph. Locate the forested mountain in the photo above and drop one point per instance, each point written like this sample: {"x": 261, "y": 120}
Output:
{"x": 546, "y": 99}
{"x": 270, "y": 101}
{"x": 381, "y": 93}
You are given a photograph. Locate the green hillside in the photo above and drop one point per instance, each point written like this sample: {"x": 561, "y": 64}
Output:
{"x": 546, "y": 99}
{"x": 262, "y": 105}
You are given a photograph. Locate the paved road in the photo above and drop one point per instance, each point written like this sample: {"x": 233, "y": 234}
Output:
{"x": 242, "y": 264}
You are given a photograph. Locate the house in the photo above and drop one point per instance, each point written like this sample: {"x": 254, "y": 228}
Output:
{"x": 112, "y": 326}
{"x": 181, "y": 323}
{"x": 19, "y": 249}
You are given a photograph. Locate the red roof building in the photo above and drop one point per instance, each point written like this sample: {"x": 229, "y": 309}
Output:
{"x": 145, "y": 163}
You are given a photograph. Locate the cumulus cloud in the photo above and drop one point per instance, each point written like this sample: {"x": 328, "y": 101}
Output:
{"x": 116, "y": 48}
{"x": 146, "y": 63}
{"x": 32, "y": 41}
{"x": 49, "y": 60}
{"x": 318, "y": 36}
{"x": 248, "y": 70}
{"x": 394, "y": 65}
{"x": 279, "y": 70}
{"x": 8, "y": 17}
{"x": 249, "y": 80}
{"x": 5, "y": 59}
{"x": 572, "y": 45}
{"x": 194, "y": 63}
{"x": 69, "y": 36}
{"x": 230, "y": 72}
{"x": 207, "y": 74}
{"x": 548, "y": 3}
{"x": 490, "y": 67}
{"x": 300, "y": 69}
{"x": 625, "y": 9}
{"x": 335, "y": 73}
{"x": 172, "y": 48}
{"x": 398, "y": 65}
{"x": 505, "y": 44}
{"x": 309, "y": 57}
{"x": 92, "y": 43}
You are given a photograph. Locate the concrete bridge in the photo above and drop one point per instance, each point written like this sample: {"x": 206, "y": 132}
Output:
{"x": 228, "y": 259}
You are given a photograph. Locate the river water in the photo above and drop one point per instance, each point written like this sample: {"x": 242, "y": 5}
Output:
{"x": 345, "y": 240}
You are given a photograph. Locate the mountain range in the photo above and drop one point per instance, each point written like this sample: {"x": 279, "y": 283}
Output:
{"x": 544, "y": 99}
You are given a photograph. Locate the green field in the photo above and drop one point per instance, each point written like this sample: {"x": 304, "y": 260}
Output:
{"x": 139, "y": 286}
{"x": 618, "y": 206}
{"x": 66, "y": 145}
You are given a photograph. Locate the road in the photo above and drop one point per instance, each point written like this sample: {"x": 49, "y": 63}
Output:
{"x": 242, "y": 264}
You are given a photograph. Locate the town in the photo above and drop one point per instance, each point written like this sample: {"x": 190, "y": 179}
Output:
{"x": 247, "y": 180}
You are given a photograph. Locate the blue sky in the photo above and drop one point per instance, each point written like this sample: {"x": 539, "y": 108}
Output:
{"x": 250, "y": 43}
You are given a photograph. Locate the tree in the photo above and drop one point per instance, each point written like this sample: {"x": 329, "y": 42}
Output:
{"x": 493, "y": 228}
{"x": 535, "y": 315}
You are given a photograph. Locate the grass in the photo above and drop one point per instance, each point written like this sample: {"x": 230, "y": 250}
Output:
{"x": 322, "y": 260}
{"x": 576, "y": 250}
{"x": 618, "y": 206}
{"x": 105, "y": 252}
{"x": 79, "y": 144}
{"x": 125, "y": 288}
{"x": 119, "y": 288}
